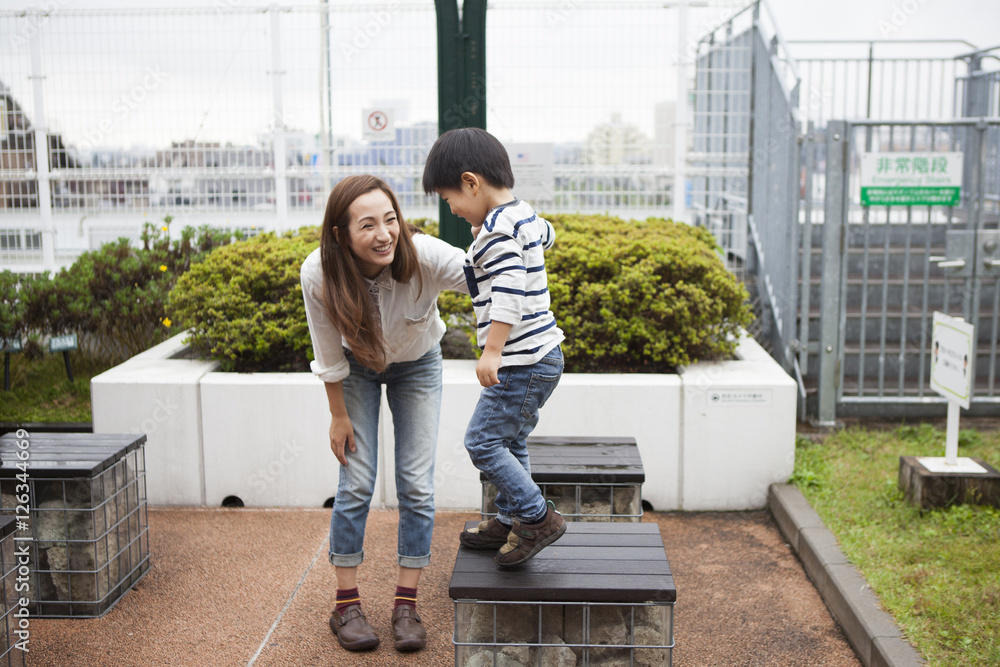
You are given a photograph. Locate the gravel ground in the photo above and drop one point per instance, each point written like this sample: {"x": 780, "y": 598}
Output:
{"x": 247, "y": 586}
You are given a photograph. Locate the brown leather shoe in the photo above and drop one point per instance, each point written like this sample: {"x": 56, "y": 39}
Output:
{"x": 352, "y": 629}
{"x": 487, "y": 535}
{"x": 407, "y": 629}
{"x": 527, "y": 539}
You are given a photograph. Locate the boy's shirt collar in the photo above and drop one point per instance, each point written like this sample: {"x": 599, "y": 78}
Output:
{"x": 493, "y": 212}
{"x": 512, "y": 202}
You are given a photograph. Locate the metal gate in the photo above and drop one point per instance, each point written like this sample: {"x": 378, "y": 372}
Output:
{"x": 886, "y": 269}
{"x": 846, "y": 292}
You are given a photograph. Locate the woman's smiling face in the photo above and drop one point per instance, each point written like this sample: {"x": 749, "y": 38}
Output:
{"x": 374, "y": 229}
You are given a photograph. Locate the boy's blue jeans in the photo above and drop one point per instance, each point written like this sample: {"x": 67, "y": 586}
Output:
{"x": 413, "y": 390}
{"x": 504, "y": 418}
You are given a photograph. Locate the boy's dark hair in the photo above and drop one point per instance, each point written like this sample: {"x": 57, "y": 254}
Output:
{"x": 466, "y": 149}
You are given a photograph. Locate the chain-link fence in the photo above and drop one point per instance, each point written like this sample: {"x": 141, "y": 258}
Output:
{"x": 244, "y": 117}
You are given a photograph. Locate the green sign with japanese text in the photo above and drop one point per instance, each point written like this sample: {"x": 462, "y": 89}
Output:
{"x": 911, "y": 179}
{"x": 62, "y": 343}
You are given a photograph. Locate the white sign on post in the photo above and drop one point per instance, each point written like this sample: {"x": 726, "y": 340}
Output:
{"x": 952, "y": 353}
{"x": 376, "y": 124}
{"x": 952, "y": 359}
{"x": 532, "y": 167}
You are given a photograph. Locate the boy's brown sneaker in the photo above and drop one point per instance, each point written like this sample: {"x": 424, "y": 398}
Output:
{"x": 487, "y": 535}
{"x": 527, "y": 539}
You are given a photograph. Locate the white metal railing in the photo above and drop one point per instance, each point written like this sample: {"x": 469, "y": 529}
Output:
{"x": 209, "y": 113}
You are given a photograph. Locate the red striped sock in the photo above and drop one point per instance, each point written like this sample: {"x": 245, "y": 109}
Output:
{"x": 346, "y": 597}
{"x": 405, "y": 596}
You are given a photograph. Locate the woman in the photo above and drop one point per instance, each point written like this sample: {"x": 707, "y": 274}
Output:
{"x": 371, "y": 293}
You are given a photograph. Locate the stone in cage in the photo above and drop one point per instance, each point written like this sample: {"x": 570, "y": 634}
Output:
{"x": 87, "y": 517}
{"x": 587, "y": 479}
{"x": 567, "y": 634}
{"x": 10, "y": 655}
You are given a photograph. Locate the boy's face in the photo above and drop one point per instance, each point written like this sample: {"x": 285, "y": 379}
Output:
{"x": 466, "y": 203}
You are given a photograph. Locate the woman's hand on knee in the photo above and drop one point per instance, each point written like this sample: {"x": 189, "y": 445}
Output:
{"x": 342, "y": 438}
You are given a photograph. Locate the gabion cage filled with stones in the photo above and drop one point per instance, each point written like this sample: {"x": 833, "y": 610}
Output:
{"x": 554, "y": 634}
{"x": 603, "y": 594}
{"x": 10, "y": 654}
{"x": 583, "y": 501}
{"x": 87, "y": 518}
{"x": 586, "y": 478}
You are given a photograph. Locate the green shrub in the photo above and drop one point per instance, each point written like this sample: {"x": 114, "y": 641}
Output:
{"x": 631, "y": 296}
{"x": 244, "y": 304}
{"x": 114, "y": 298}
{"x": 643, "y": 296}
{"x": 11, "y": 307}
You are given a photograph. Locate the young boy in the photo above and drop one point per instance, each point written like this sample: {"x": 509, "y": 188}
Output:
{"x": 521, "y": 360}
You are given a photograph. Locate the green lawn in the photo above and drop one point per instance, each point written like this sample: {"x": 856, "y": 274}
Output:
{"x": 41, "y": 391}
{"x": 937, "y": 572}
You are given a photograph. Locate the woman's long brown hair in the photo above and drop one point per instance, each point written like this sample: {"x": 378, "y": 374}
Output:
{"x": 348, "y": 304}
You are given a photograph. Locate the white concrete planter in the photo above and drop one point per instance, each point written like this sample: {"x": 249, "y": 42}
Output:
{"x": 153, "y": 393}
{"x": 712, "y": 437}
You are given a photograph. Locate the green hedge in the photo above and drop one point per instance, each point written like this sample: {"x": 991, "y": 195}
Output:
{"x": 641, "y": 297}
{"x": 244, "y": 304}
{"x": 113, "y": 298}
{"x": 637, "y": 296}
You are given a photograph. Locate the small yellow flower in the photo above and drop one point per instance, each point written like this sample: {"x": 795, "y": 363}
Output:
{"x": 166, "y": 322}
{"x": 165, "y": 228}
{"x": 163, "y": 267}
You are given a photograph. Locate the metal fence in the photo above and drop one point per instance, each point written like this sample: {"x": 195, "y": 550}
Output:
{"x": 887, "y": 269}
{"x": 865, "y": 327}
{"x": 903, "y": 80}
{"x": 244, "y": 117}
{"x": 846, "y": 292}
{"x": 745, "y": 164}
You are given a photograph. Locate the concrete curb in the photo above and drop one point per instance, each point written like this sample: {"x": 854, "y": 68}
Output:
{"x": 872, "y": 632}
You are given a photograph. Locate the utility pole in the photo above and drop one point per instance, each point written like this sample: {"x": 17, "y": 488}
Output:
{"x": 461, "y": 40}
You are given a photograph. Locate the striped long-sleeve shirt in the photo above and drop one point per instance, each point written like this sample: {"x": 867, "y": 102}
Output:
{"x": 505, "y": 270}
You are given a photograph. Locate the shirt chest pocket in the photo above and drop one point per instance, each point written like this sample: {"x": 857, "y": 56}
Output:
{"x": 417, "y": 323}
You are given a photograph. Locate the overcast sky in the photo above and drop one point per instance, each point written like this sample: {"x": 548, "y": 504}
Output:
{"x": 977, "y": 21}
{"x": 563, "y": 71}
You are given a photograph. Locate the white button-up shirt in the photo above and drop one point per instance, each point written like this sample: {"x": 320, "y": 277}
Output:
{"x": 411, "y": 324}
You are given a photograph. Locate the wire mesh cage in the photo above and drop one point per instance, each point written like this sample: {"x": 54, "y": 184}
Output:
{"x": 10, "y": 654}
{"x": 86, "y": 517}
{"x": 563, "y": 633}
{"x": 585, "y": 478}
{"x": 582, "y": 501}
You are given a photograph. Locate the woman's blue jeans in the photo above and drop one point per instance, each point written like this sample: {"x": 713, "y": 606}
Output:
{"x": 413, "y": 390}
{"x": 496, "y": 438}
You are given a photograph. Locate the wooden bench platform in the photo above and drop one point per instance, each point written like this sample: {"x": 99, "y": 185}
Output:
{"x": 592, "y": 562}
{"x": 571, "y": 460}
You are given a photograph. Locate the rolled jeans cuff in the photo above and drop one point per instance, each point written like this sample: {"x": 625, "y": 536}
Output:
{"x": 347, "y": 560}
{"x": 415, "y": 562}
